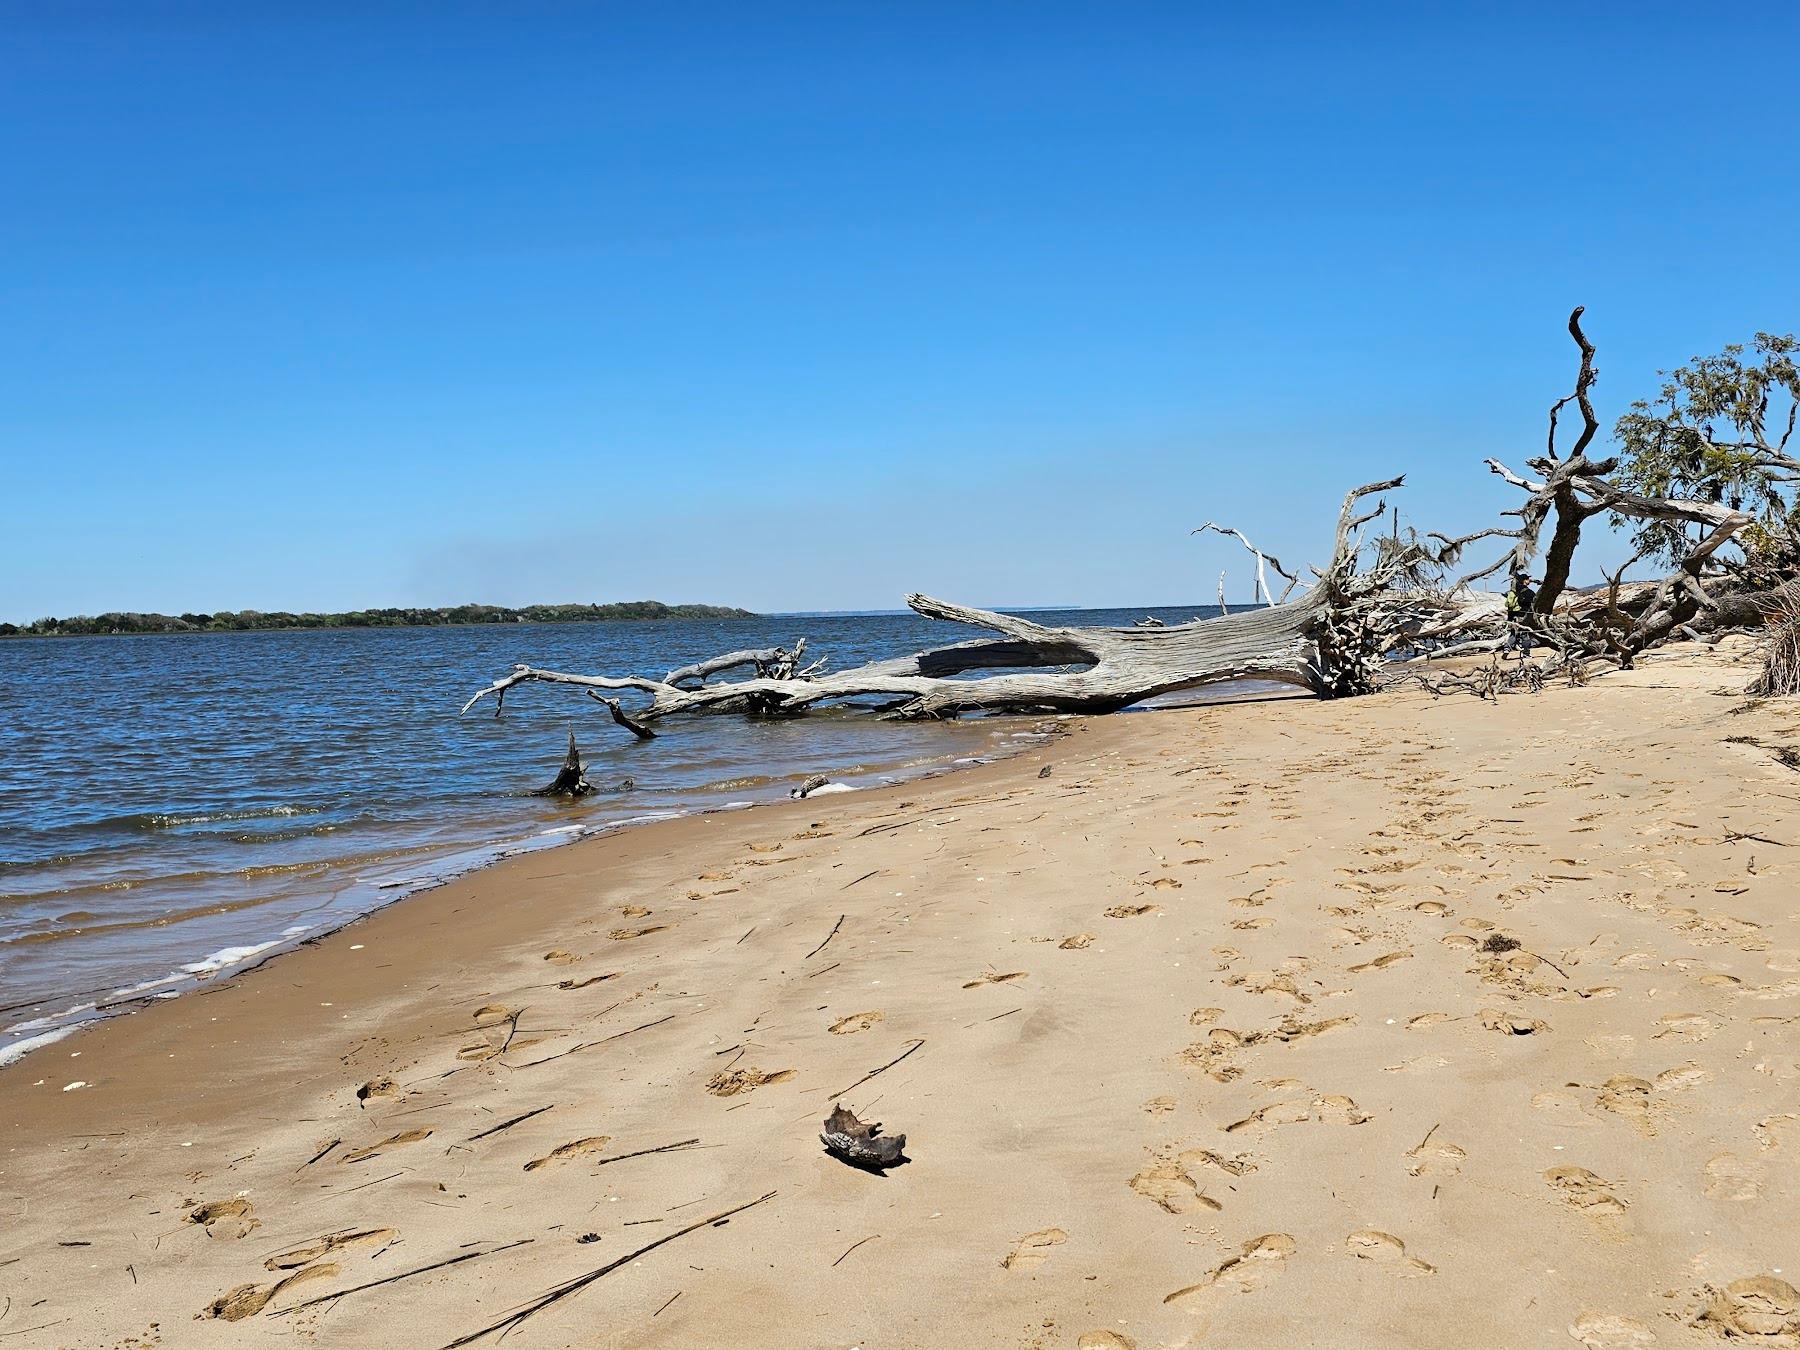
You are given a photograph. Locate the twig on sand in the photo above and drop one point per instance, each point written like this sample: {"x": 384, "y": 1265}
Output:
{"x": 864, "y": 877}
{"x": 365, "y": 1185}
{"x": 844, "y": 1092}
{"x": 995, "y": 1018}
{"x": 852, "y": 1247}
{"x": 508, "y": 1124}
{"x": 403, "y": 1275}
{"x": 589, "y": 1045}
{"x": 1733, "y": 836}
{"x": 568, "y": 1288}
{"x": 833, "y": 933}
{"x": 1547, "y": 961}
{"x": 511, "y": 1031}
{"x": 41, "y": 1326}
{"x": 672, "y": 1297}
{"x": 320, "y": 1154}
{"x": 660, "y": 1148}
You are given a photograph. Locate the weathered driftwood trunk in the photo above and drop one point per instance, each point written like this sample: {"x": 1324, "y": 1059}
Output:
{"x": 1329, "y": 641}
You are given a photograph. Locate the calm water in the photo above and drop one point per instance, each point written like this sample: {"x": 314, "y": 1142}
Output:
{"x": 171, "y": 807}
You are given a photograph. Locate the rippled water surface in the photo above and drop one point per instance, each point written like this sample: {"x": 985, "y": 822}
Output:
{"x": 172, "y": 806}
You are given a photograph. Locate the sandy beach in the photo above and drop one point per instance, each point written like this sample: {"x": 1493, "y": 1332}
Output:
{"x": 1393, "y": 1021}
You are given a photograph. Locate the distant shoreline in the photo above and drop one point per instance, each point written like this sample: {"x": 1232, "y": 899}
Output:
{"x": 130, "y": 624}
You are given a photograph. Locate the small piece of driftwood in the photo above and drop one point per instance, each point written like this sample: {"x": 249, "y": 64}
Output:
{"x": 861, "y": 1145}
{"x": 570, "y": 781}
{"x": 810, "y": 786}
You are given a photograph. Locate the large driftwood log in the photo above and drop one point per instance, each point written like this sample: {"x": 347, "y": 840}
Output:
{"x": 1330, "y": 640}
{"x": 770, "y": 662}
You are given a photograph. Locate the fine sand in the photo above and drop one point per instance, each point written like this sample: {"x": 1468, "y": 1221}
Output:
{"x": 1394, "y": 1022}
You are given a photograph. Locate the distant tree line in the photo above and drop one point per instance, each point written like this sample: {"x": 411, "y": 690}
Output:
{"x": 250, "y": 620}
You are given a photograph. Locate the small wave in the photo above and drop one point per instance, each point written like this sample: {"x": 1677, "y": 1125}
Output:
{"x": 175, "y": 820}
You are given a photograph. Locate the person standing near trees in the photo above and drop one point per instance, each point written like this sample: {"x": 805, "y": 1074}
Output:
{"x": 1520, "y": 596}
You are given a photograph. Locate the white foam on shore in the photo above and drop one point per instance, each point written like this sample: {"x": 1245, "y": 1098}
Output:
{"x": 19, "y": 1049}
{"x": 227, "y": 956}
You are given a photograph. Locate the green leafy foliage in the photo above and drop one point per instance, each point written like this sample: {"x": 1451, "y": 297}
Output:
{"x": 1719, "y": 431}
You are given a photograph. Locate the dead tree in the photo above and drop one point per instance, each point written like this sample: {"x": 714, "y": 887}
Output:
{"x": 1573, "y": 488}
{"x": 1330, "y": 640}
{"x": 1376, "y": 597}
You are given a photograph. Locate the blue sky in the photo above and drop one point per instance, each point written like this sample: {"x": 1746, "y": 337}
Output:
{"x": 802, "y": 307}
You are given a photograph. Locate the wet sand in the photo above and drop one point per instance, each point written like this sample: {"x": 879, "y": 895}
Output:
{"x": 1388, "y": 1022}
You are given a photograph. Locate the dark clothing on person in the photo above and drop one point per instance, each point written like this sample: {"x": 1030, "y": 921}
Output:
{"x": 1519, "y": 600}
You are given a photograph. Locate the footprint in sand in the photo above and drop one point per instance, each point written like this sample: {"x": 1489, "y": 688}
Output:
{"x": 330, "y": 1242}
{"x": 1384, "y": 1249}
{"x": 1132, "y": 911}
{"x": 583, "y": 984}
{"x": 497, "y": 1023}
{"x": 1764, "y": 1308}
{"x": 1631, "y": 1097}
{"x": 1169, "y": 1185}
{"x": 558, "y": 957}
{"x": 1581, "y": 1190}
{"x": 1682, "y": 1076}
{"x": 1268, "y": 982}
{"x": 1435, "y": 1159}
{"x": 1034, "y": 1249}
{"x": 1610, "y": 1331}
{"x": 627, "y": 934}
{"x": 225, "y": 1218}
{"x": 1159, "y": 1106}
{"x": 633, "y": 911}
{"x": 995, "y": 977}
{"x": 1076, "y": 942}
{"x": 1772, "y": 1131}
{"x": 1382, "y": 962}
{"x": 573, "y": 1149}
{"x": 855, "y": 1022}
{"x": 1328, "y": 1110}
{"x": 1511, "y": 1023}
{"x": 1257, "y": 1262}
{"x": 247, "y": 1300}
{"x": 1291, "y": 1028}
{"x": 393, "y": 1141}
{"x": 1164, "y": 884}
{"x": 377, "y": 1088}
{"x": 1729, "y": 1177}
{"x": 1105, "y": 1340}
{"x": 731, "y": 1082}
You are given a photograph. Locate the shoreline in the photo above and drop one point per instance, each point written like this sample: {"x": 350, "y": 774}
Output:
{"x": 1194, "y": 1039}
{"x": 438, "y": 867}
